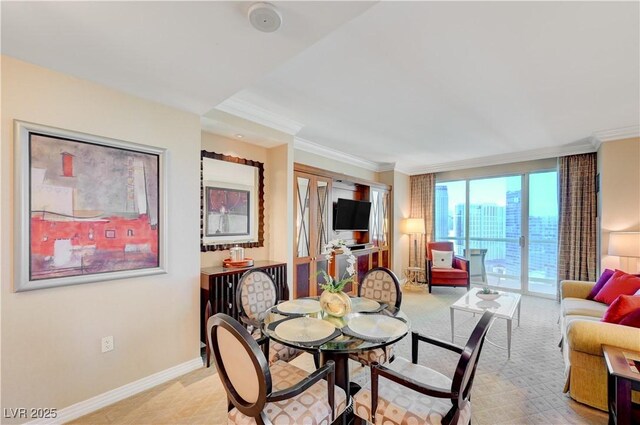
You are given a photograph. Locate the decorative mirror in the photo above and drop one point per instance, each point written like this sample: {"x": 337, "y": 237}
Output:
{"x": 231, "y": 202}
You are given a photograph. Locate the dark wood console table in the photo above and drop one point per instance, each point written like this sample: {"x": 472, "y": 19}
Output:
{"x": 219, "y": 284}
{"x": 620, "y": 382}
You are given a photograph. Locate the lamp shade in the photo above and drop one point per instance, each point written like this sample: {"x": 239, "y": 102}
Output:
{"x": 624, "y": 244}
{"x": 412, "y": 225}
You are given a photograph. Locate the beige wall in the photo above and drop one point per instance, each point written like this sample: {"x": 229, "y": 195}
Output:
{"x": 219, "y": 144}
{"x": 619, "y": 206}
{"x": 303, "y": 157}
{"x": 51, "y": 338}
{"x": 401, "y": 192}
{"x": 278, "y": 195}
{"x": 280, "y": 184}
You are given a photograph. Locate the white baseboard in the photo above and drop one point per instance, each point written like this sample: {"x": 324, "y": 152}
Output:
{"x": 98, "y": 402}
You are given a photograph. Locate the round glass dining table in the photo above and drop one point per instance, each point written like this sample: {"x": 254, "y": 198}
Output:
{"x": 312, "y": 330}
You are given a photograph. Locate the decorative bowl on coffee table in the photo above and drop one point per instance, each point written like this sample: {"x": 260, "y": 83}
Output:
{"x": 487, "y": 297}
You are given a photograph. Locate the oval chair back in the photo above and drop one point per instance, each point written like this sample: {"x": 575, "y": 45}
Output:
{"x": 242, "y": 366}
{"x": 256, "y": 293}
{"x": 466, "y": 369}
{"x": 381, "y": 284}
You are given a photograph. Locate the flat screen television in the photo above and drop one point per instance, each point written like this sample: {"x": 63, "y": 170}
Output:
{"x": 351, "y": 215}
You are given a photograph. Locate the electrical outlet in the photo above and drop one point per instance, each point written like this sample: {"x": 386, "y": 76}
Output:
{"x": 107, "y": 343}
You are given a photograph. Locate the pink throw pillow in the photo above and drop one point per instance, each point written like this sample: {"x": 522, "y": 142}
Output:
{"x": 632, "y": 319}
{"x": 620, "y": 283}
{"x": 604, "y": 278}
{"x": 621, "y": 307}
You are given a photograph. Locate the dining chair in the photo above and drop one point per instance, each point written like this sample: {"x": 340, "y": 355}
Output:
{"x": 379, "y": 284}
{"x": 256, "y": 293}
{"x": 456, "y": 276}
{"x": 264, "y": 394}
{"x": 417, "y": 394}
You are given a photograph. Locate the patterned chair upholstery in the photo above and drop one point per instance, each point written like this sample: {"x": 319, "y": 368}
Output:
{"x": 281, "y": 394}
{"x": 415, "y": 394}
{"x": 382, "y": 285}
{"x": 256, "y": 294}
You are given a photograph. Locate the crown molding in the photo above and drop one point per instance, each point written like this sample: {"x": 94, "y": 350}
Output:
{"x": 386, "y": 166}
{"x": 615, "y": 134}
{"x": 314, "y": 148}
{"x": 586, "y": 145}
{"x": 257, "y": 114}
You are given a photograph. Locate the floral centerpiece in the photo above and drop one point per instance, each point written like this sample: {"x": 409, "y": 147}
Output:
{"x": 333, "y": 300}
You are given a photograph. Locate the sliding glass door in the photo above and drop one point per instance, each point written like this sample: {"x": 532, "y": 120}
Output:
{"x": 506, "y": 226}
{"x": 450, "y": 225}
{"x": 495, "y": 231}
{"x": 543, "y": 233}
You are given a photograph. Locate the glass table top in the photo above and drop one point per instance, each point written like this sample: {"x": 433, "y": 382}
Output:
{"x": 503, "y": 306}
{"x": 357, "y": 331}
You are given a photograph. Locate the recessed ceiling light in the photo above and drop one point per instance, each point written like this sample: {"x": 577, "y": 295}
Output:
{"x": 239, "y": 136}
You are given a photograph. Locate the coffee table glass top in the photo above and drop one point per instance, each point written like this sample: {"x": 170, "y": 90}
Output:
{"x": 504, "y": 306}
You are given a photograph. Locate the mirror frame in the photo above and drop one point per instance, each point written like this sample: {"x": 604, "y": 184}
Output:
{"x": 260, "y": 191}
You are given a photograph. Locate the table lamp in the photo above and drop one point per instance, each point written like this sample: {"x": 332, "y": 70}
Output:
{"x": 625, "y": 245}
{"x": 413, "y": 226}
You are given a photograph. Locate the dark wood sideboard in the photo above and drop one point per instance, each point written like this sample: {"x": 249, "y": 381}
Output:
{"x": 219, "y": 285}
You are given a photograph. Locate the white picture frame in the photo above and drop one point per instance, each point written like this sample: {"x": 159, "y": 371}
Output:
{"x": 75, "y": 222}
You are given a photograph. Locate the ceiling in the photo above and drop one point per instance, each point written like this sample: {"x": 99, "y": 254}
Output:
{"x": 425, "y": 85}
{"x": 188, "y": 54}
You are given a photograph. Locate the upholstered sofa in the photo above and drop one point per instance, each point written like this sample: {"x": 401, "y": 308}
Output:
{"x": 583, "y": 335}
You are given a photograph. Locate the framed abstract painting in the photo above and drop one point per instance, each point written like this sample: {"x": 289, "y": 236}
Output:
{"x": 88, "y": 208}
{"x": 227, "y": 211}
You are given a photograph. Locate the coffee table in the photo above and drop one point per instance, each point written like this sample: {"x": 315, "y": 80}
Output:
{"x": 503, "y": 307}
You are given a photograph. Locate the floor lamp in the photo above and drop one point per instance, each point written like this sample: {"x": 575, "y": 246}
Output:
{"x": 625, "y": 245}
{"x": 413, "y": 226}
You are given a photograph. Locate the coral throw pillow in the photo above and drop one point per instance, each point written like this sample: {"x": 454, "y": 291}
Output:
{"x": 621, "y": 307}
{"x": 442, "y": 259}
{"x": 632, "y": 319}
{"x": 604, "y": 278}
{"x": 620, "y": 283}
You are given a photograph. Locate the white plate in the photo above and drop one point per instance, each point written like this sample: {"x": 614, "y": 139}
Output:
{"x": 304, "y": 329}
{"x": 378, "y": 326}
{"x": 300, "y": 306}
{"x": 364, "y": 304}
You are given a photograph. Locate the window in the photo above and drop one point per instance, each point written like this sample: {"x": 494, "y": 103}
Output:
{"x": 507, "y": 226}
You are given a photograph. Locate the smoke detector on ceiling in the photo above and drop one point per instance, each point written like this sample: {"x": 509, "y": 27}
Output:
{"x": 264, "y": 17}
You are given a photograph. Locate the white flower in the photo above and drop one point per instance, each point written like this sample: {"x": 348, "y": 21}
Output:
{"x": 351, "y": 270}
{"x": 351, "y": 259}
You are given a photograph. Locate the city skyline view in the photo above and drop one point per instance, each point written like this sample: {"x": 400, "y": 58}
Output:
{"x": 494, "y": 223}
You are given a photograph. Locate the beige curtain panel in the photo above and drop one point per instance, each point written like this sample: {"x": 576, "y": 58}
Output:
{"x": 422, "y": 206}
{"x": 577, "y": 232}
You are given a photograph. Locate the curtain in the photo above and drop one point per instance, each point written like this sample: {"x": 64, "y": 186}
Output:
{"x": 422, "y": 206}
{"x": 577, "y": 227}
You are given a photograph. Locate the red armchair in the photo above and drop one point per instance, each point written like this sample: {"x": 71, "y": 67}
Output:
{"x": 457, "y": 276}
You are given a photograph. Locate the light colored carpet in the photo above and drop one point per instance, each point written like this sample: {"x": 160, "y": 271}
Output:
{"x": 527, "y": 389}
